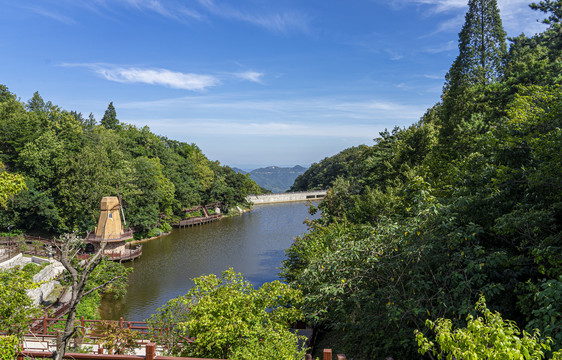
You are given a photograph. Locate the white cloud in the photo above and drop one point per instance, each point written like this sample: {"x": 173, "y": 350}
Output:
{"x": 164, "y": 77}
{"x": 250, "y": 76}
{"x": 282, "y": 23}
{"x": 450, "y": 45}
{"x": 436, "y": 5}
{"x": 52, "y": 15}
{"x": 326, "y": 111}
{"x": 516, "y": 15}
{"x": 219, "y": 127}
{"x": 277, "y": 22}
{"x": 152, "y": 76}
{"x": 433, "y": 76}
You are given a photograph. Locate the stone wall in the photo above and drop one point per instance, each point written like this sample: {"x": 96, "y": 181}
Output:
{"x": 17, "y": 260}
{"x": 47, "y": 276}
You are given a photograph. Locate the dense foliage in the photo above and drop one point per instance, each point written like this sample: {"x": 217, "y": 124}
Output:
{"x": 229, "y": 319}
{"x": 70, "y": 163}
{"x": 487, "y": 336}
{"x": 321, "y": 176}
{"x": 16, "y": 308}
{"x": 467, "y": 201}
{"x": 10, "y": 185}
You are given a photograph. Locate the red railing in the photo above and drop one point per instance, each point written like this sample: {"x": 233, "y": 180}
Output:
{"x": 150, "y": 354}
{"x": 47, "y": 329}
{"x": 49, "y": 326}
{"x": 45, "y": 332}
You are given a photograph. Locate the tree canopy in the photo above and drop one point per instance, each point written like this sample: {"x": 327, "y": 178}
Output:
{"x": 229, "y": 319}
{"x": 465, "y": 202}
{"x": 69, "y": 163}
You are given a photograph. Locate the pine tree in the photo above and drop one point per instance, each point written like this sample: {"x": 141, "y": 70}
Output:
{"x": 109, "y": 120}
{"x": 482, "y": 47}
{"x": 466, "y": 95}
{"x": 37, "y": 104}
{"x": 551, "y": 7}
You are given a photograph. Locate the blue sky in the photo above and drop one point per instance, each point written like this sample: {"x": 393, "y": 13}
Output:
{"x": 251, "y": 82}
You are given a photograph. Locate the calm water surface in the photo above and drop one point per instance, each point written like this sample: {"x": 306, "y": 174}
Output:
{"x": 252, "y": 244}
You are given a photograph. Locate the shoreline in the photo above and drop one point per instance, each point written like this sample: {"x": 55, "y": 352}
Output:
{"x": 135, "y": 242}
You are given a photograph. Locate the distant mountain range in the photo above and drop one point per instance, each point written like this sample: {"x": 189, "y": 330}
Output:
{"x": 275, "y": 178}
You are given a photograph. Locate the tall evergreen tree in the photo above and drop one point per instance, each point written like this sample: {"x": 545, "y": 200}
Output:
{"x": 37, "y": 104}
{"x": 109, "y": 120}
{"x": 466, "y": 95}
{"x": 482, "y": 46}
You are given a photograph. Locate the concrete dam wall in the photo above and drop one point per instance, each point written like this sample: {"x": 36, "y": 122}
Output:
{"x": 287, "y": 197}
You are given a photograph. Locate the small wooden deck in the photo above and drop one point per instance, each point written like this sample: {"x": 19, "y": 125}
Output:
{"x": 199, "y": 220}
{"x": 125, "y": 255}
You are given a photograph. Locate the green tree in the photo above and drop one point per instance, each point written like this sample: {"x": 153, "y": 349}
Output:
{"x": 8, "y": 347}
{"x": 156, "y": 193}
{"x": 482, "y": 52}
{"x": 16, "y": 308}
{"x": 10, "y": 185}
{"x": 85, "y": 278}
{"x": 228, "y": 318}
{"x": 482, "y": 46}
{"x": 37, "y": 104}
{"x": 551, "y": 7}
{"x": 486, "y": 337}
{"x": 109, "y": 119}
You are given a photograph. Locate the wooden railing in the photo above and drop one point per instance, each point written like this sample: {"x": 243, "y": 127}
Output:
{"x": 9, "y": 252}
{"x": 47, "y": 329}
{"x": 197, "y": 220}
{"x": 48, "y": 326}
{"x": 150, "y": 354}
{"x": 123, "y": 255}
{"x": 125, "y": 235}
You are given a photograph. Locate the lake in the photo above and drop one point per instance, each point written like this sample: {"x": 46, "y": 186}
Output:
{"x": 253, "y": 244}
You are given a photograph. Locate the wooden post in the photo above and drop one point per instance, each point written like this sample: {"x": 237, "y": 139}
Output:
{"x": 100, "y": 350}
{"x": 150, "y": 351}
{"x": 327, "y": 355}
{"x": 45, "y": 325}
{"x": 83, "y": 323}
{"x": 121, "y": 323}
{"x": 20, "y": 356}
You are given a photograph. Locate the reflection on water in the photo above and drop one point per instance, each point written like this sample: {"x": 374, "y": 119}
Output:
{"x": 252, "y": 244}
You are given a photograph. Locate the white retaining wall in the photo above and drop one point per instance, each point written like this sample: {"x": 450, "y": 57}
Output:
{"x": 17, "y": 260}
{"x": 287, "y": 197}
{"x": 47, "y": 276}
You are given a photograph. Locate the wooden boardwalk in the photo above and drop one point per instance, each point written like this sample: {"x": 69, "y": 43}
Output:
{"x": 199, "y": 220}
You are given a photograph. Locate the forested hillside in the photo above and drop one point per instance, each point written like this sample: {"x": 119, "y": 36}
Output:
{"x": 276, "y": 179}
{"x": 70, "y": 162}
{"x": 321, "y": 176}
{"x": 466, "y": 201}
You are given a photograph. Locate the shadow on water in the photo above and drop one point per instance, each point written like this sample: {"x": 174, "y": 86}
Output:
{"x": 271, "y": 265}
{"x": 253, "y": 244}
